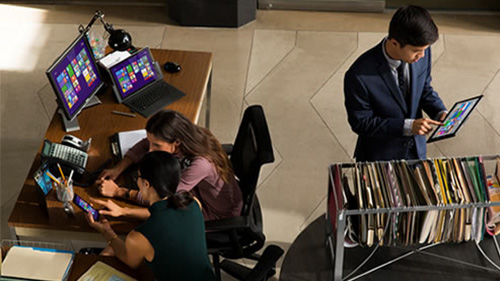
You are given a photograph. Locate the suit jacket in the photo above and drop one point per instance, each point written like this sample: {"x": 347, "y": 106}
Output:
{"x": 376, "y": 108}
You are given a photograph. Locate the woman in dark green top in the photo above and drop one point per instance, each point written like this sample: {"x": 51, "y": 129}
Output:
{"x": 172, "y": 240}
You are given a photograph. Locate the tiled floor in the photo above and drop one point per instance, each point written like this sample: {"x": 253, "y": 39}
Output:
{"x": 290, "y": 62}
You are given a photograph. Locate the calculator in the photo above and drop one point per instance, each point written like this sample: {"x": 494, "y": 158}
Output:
{"x": 64, "y": 152}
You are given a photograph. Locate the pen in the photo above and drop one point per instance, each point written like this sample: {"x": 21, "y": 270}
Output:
{"x": 53, "y": 178}
{"x": 60, "y": 171}
{"x": 70, "y": 175}
{"x": 123, "y": 113}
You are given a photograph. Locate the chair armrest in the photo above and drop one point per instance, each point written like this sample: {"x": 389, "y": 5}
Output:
{"x": 226, "y": 224}
{"x": 238, "y": 271}
{"x": 228, "y": 148}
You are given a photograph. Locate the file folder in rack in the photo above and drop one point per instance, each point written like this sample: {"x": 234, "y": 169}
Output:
{"x": 422, "y": 203}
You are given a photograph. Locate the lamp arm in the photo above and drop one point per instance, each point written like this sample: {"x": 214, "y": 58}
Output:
{"x": 98, "y": 15}
{"x": 107, "y": 26}
{"x": 119, "y": 39}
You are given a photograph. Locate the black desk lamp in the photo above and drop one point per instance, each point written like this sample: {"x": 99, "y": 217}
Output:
{"x": 119, "y": 39}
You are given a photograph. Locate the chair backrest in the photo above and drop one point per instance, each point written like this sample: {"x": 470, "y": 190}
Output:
{"x": 251, "y": 149}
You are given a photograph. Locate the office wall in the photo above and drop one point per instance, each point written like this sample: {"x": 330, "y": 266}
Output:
{"x": 378, "y": 5}
{"x": 324, "y": 5}
{"x": 89, "y": 2}
{"x": 478, "y": 5}
{"x": 359, "y": 5}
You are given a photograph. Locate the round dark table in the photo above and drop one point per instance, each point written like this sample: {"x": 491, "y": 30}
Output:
{"x": 308, "y": 258}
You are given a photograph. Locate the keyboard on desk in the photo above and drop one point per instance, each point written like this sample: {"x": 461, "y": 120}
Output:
{"x": 154, "y": 98}
{"x": 152, "y": 95}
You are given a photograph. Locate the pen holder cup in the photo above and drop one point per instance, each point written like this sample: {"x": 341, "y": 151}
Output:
{"x": 64, "y": 191}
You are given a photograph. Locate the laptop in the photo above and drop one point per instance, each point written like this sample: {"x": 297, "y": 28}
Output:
{"x": 138, "y": 83}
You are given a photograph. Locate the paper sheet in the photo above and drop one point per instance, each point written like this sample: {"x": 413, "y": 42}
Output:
{"x": 103, "y": 272}
{"x": 113, "y": 58}
{"x": 128, "y": 139}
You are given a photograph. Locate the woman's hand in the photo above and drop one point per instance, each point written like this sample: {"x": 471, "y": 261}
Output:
{"x": 111, "y": 174}
{"x": 101, "y": 226}
{"x": 115, "y": 172}
{"x": 107, "y": 188}
{"x": 112, "y": 209}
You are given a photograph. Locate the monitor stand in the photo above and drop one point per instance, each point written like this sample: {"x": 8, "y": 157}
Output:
{"x": 72, "y": 125}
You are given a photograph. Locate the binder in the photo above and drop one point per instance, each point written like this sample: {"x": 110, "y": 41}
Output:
{"x": 121, "y": 142}
{"x": 371, "y": 220}
{"x": 37, "y": 263}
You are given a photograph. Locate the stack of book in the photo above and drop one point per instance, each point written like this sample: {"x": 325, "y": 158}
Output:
{"x": 413, "y": 199}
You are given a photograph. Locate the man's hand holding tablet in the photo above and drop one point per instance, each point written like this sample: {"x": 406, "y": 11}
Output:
{"x": 454, "y": 119}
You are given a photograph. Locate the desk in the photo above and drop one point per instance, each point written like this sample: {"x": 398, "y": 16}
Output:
{"x": 99, "y": 123}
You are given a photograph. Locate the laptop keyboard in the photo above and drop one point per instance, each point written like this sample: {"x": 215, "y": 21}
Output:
{"x": 153, "y": 94}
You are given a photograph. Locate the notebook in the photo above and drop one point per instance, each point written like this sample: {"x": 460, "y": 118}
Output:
{"x": 138, "y": 83}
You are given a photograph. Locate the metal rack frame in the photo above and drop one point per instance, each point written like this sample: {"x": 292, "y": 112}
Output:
{"x": 337, "y": 235}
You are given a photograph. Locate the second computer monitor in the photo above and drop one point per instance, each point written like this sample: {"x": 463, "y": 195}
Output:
{"x": 75, "y": 78}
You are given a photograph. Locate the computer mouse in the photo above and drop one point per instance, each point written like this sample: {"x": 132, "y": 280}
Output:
{"x": 172, "y": 67}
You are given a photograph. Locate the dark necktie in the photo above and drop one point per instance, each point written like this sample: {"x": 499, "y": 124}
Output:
{"x": 403, "y": 86}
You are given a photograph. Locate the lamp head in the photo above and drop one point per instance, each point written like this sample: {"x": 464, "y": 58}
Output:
{"x": 119, "y": 40}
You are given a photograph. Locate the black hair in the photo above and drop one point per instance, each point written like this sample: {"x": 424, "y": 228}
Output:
{"x": 163, "y": 172}
{"x": 413, "y": 25}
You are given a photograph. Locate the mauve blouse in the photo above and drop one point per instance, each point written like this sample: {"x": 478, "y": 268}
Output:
{"x": 218, "y": 199}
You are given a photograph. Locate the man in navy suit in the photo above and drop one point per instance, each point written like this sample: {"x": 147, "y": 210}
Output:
{"x": 387, "y": 88}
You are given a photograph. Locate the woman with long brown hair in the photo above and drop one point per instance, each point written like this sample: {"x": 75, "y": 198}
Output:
{"x": 206, "y": 170}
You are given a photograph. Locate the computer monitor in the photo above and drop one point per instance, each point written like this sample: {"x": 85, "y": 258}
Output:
{"x": 75, "y": 78}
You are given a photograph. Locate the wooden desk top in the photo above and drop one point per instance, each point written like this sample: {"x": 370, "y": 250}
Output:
{"x": 99, "y": 123}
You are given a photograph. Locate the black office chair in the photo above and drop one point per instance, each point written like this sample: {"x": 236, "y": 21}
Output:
{"x": 263, "y": 270}
{"x": 242, "y": 237}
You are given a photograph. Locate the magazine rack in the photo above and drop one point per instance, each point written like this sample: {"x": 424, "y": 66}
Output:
{"x": 336, "y": 217}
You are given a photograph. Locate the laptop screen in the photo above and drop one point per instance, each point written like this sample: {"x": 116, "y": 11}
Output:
{"x": 134, "y": 73}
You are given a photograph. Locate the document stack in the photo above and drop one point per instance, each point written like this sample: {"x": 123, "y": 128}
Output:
{"x": 415, "y": 202}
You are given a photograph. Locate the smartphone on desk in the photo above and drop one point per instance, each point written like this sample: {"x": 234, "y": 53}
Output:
{"x": 86, "y": 207}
